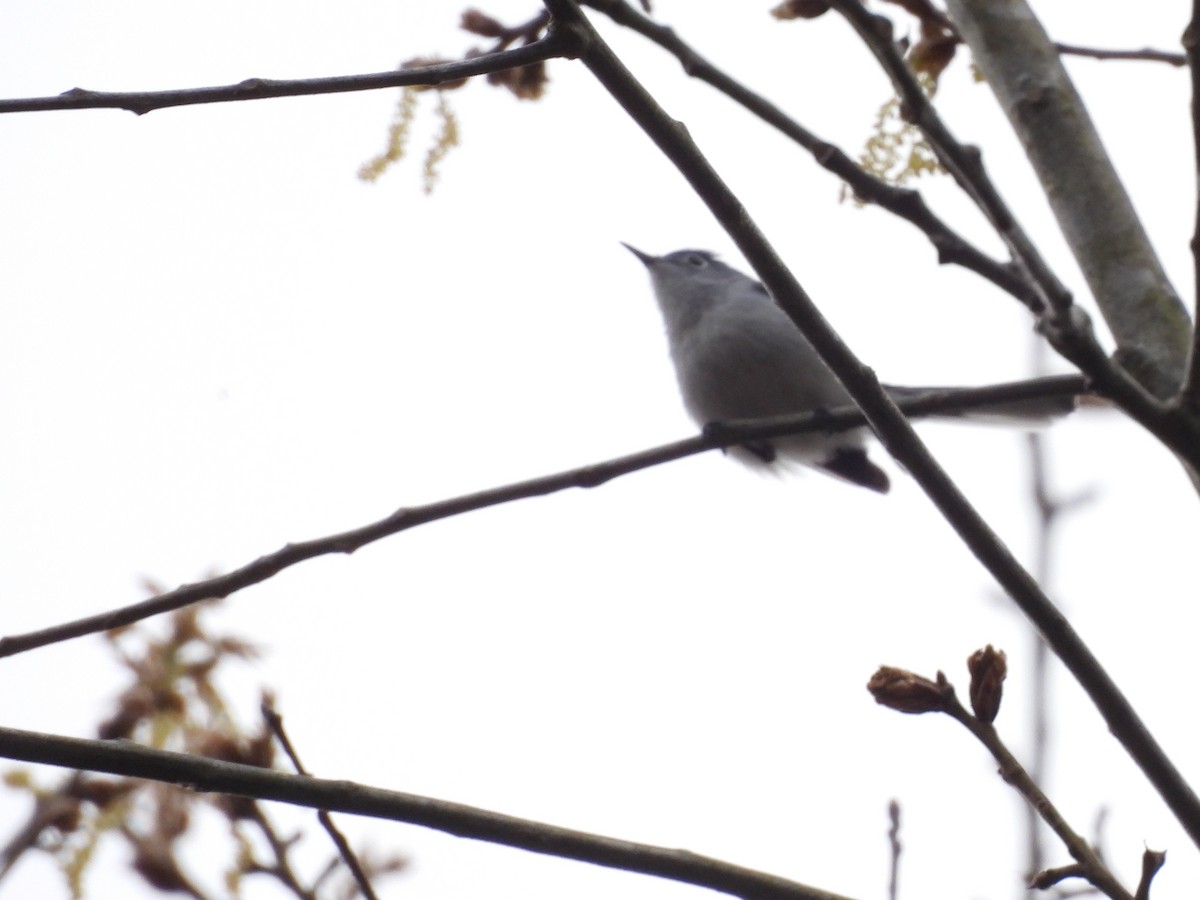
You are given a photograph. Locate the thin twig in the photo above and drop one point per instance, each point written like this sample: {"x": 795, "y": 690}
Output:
{"x": 730, "y": 434}
{"x": 275, "y": 722}
{"x": 895, "y": 847}
{"x": 1092, "y": 867}
{"x": 198, "y": 773}
{"x": 48, "y": 808}
{"x": 892, "y": 428}
{"x": 1047, "y": 512}
{"x": 281, "y": 868}
{"x": 1152, "y": 861}
{"x": 1146, "y": 54}
{"x": 141, "y": 102}
{"x": 907, "y": 204}
{"x": 1049, "y": 509}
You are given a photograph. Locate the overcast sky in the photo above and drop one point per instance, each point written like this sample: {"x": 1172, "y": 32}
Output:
{"x": 215, "y": 339}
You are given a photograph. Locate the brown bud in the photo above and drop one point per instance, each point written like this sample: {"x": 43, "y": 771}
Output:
{"x": 136, "y": 704}
{"x": 988, "y": 668}
{"x": 156, "y": 863}
{"x": 171, "y": 816}
{"x": 907, "y": 692}
{"x": 64, "y": 814}
{"x": 932, "y": 53}
{"x": 481, "y": 24}
{"x": 921, "y": 9}
{"x": 800, "y": 9}
{"x": 526, "y": 82}
{"x": 100, "y": 791}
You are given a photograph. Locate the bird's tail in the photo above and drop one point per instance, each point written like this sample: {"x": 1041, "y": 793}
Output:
{"x": 1023, "y": 412}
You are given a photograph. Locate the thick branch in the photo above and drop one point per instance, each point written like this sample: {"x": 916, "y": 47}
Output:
{"x": 1142, "y": 309}
{"x": 1190, "y": 395}
{"x": 906, "y": 203}
{"x": 141, "y": 102}
{"x": 892, "y": 428}
{"x": 947, "y": 401}
{"x": 198, "y": 773}
{"x": 1064, "y": 324}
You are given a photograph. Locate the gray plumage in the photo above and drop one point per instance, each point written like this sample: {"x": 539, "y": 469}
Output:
{"x": 738, "y": 355}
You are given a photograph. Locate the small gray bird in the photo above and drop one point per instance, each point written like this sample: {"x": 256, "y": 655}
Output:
{"x": 738, "y": 355}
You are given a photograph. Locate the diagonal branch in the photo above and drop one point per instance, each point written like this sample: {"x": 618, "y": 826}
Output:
{"x": 1137, "y": 389}
{"x": 906, "y": 203}
{"x": 893, "y": 429}
{"x": 274, "y": 722}
{"x": 1190, "y": 394}
{"x": 945, "y": 401}
{"x": 141, "y": 102}
{"x": 1092, "y": 867}
{"x": 199, "y": 773}
{"x": 964, "y": 163}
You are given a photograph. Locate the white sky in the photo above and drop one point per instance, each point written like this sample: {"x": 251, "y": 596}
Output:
{"x": 214, "y": 340}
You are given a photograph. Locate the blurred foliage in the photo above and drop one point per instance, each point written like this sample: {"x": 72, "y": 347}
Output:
{"x": 896, "y": 151}
{"x": 525, "y": 83}
{"x": 171, "y": 702}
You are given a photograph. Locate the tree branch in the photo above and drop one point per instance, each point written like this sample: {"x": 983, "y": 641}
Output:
{"x": 964, "y": 163}
{"x": 274, "y": 722}
{"x": 893, "y": 429}
{"x": 1092, "y": 868}
{"x": 1063, "y": 323}
{"x": 142, "y": 102}
{"x": 1142, "y": 309}
{"x": 1190, "y": 394}
{"x": 945, "y": 401}
{"x": 905, "y": 203}
{"x": 199, "y": 773}
{"x": 1146, "y": 54}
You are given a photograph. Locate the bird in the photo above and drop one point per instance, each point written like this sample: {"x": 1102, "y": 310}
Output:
{"x": 738, "y": 355}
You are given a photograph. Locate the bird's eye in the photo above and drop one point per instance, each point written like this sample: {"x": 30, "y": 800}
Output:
{"x": 696, "y": 260}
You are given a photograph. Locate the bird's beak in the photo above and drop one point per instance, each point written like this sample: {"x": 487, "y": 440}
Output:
{"x": 646, "y": 258}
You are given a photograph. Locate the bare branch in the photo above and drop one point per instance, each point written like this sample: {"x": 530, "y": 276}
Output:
{"x": 1152, "y": 861}
{"x": 906, "y": 203}
{"x": 893, "y": 429}
{"x": 896, "y": 687}
{"x": 1014, "y": 774}
{"x": 1190, "y": 393}
{"x": 141, "y": 102}
{"x": 895, "y": 846}
{"x": 730, "y": 434}
{"x": 964, "y": 163}
{"x": 201, "y": 774}
{"x": 1141, "y": 307}
{"x": 1063, "y": 323}
{"x": 1050, "y": 509}
{"x": 275, "y": 722}
{"x": 1146, "y": 54}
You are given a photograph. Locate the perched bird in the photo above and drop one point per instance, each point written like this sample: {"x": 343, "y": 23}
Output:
{"x": 738, "y": 355}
